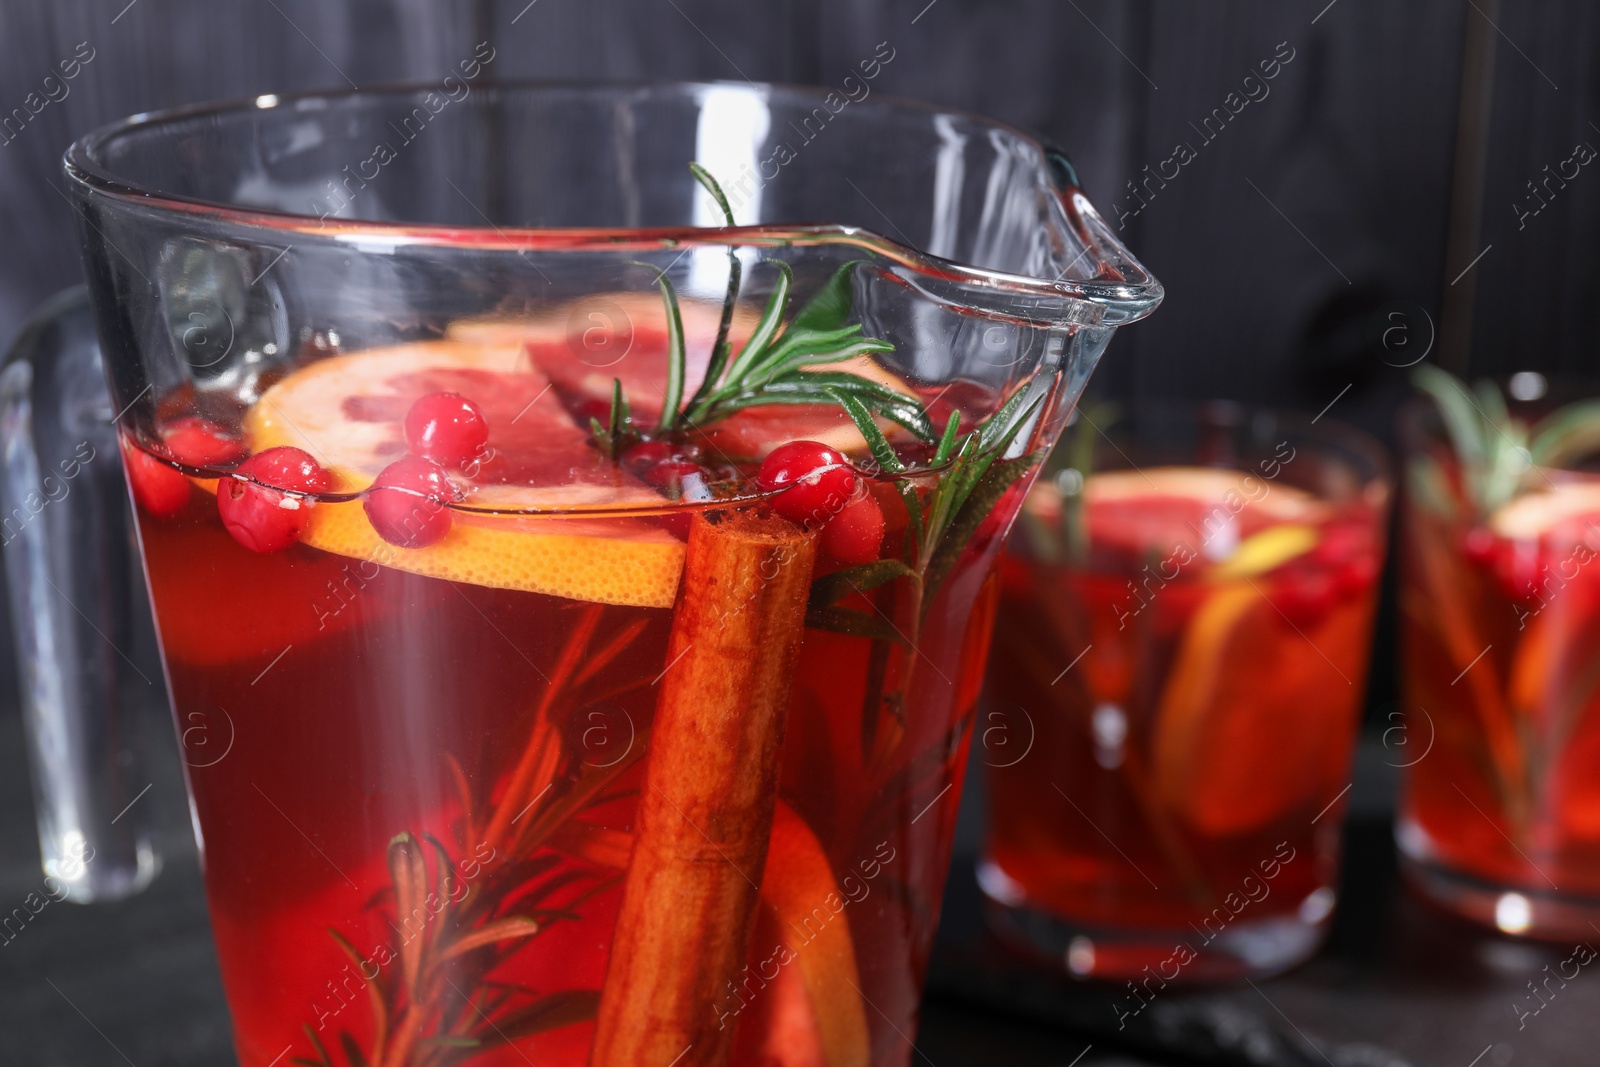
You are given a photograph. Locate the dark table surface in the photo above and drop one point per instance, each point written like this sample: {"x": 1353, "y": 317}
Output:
{"x": 136, "y": 982}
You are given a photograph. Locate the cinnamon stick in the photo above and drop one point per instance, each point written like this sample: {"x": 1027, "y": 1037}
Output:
{"x": 705, "y": 812}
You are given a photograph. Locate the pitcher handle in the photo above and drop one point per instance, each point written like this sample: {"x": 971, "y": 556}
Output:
{"x": 66, "y": 528}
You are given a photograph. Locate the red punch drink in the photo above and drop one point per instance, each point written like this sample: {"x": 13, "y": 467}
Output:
{"x": 1185, "y": 647}
{"x": 1500, "y": 598}
{"x": 454, "y": 726}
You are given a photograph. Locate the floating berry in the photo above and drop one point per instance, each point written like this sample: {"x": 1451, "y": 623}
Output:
{"x": 856, "y": 533}
{"x": 816, "y": 482}
{"x": 446, "y": 428}
{"x": 647, "y": 454}
{"x": 407, "y": 502}
{"x": 257, "y": 513}
{"x": 195, "y": 442}
{"x": 157, "y": 488}
{"x": 672, "y": 472}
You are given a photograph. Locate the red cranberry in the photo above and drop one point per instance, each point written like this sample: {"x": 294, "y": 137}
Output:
{"x": 671, "y": 472}
{"x": 856, "y": 533}
{"x": 446, "y": 428}
{"x": 195, "y": 442}
{"x": 647, "y": 454}
{"x": 407, "y": 502}
{"x": 258, "y": 515}
{"x": 157, "y": 488}
{"x": 815, "y": 481}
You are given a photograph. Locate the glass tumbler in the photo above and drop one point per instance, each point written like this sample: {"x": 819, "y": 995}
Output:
{"x": 1500, "y": 612}
{"x": 584, "y": 525}
{"x": 1173, "y": 694}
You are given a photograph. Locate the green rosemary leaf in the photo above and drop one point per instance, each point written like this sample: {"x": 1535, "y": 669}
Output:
{"x": 876, "y": 442}
{"x": 409, "y": 874}
{"x": 619, "y": 413}
{"x": 980, "y": 500}
{"x": 947, "y": 441}
{"x": 1080, "y": 457}
{"x": 897, "y": 407}
{"x": 1005, "y": 421}
{"x": 677, "y": 358}
{"x": 773, "y": 370}
{"x": 1428, "y": 486}
{"x": 857, "y": 386}
{"x": 858, "y": 579}
{"x": 704, "y": 177}
{"x": 719, "y": 350}
{"x": 988, "y": 452}
{"x": 547, "y": 1013}
{"x": 944, "y": 501}
{"x": 1491, "y": 404}
{"x": 766, "y": 329}
{"x": 805, "y": 348}
{"x": 1461, "y": 421}
{"x": 831, "y": 306}
{"x": 317, "y": 1046}
{"x": 511, "y": 929}
{"x": 448, "y": 1041}
{"x": 913, "y": 503}
{"x": 1566, "y": 435}
{"x": 853, "y": 624}
{"x": 352, "y": 1051}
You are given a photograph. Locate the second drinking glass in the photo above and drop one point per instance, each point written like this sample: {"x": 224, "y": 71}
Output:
{"x": 1174, "y": 689}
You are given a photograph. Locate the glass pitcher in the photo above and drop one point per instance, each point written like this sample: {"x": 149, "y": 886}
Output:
{"x": 586, "y": 522}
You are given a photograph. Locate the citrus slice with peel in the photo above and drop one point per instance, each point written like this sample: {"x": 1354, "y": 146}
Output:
{"x": 1212, "y": 511}
{"x": 799, "y": 888}
{"x": 585, "y": 344}
{"x": 348, "y": 412}
{"x": 1253, "y": 721}
{"x": 1569, "y": 512}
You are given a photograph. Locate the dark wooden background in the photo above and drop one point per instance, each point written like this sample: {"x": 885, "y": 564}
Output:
{"x": 1377, "y": 184}
{"x": 1285, "y": 245}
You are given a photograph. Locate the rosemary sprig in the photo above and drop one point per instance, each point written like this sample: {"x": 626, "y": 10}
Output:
{"x": 432, "y": 1001}
{"x": 775, "y": 365}
{"x": 1499, "y": 455}
{"x": 970, "y": 475}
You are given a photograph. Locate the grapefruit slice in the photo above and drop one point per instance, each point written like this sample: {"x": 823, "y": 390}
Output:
{"x": 347, "y": 411}
{"x": 581, "y": 346}
{"x": 1566, "y": 514}
{"x": 1214, "y": 511}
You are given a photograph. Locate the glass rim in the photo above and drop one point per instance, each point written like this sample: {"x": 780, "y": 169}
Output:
{"x": 1131, "y": 294}
{"x": 1319, "y": 432}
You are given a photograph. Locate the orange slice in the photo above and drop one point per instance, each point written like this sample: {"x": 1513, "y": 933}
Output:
{"x": 799, "y": 888}
{"x": 347, "y": 411}
{"x": 1246, "y": 727}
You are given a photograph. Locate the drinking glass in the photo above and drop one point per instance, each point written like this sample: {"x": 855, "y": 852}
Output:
{"x": 595, "y": 594}
{"x": 1500, "y": 634}
{"x": 1174, "y": 690}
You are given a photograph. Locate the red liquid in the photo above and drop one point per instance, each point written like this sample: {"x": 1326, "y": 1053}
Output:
{"x": 322, "y": 701}
{"x": 1180, "y": 771}
{"x": 1502, "y": 669}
